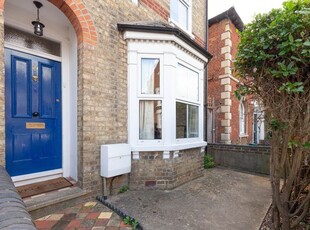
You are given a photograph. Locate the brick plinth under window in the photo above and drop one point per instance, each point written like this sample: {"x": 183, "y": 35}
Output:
{"x": 154, "y": 170}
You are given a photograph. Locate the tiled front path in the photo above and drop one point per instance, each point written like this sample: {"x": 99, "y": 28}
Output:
{"x": 88, "y": 216}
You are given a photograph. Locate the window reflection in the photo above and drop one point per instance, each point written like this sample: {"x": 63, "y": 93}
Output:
{"x": 187, "y": 120}
{"x": 187, "y": 83}
{"x": 150, "y": 120}
{"x": 179, "y": 12}
{"x": 150, "y": 76}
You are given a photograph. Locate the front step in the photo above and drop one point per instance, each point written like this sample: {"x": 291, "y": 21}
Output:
{"x": 48, "y": 203}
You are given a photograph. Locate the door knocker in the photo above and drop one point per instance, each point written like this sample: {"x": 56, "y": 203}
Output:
{"x": 35, "y": 77}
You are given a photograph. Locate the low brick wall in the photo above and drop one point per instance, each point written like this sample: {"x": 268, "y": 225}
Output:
{"x": 165, "y": 170}
{"x": 244, "y": 157}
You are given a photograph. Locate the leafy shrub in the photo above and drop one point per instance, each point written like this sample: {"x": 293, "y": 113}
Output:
{"x": 208, "y": 161}
{"x": 123, "y": 189}
{"x": 131, "y": 221}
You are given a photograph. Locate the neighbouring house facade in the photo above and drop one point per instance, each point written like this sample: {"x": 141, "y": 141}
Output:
{"x": 104, "y": 72}
{"x": 229, "y": 120}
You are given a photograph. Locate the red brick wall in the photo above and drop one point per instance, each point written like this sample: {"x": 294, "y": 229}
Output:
{"x": 80, "y": 19}
{"x": 156, "y": 7}
{"x": 235, "y": 102}
{"x": 215, "y": 45}
{"x": 235, "y": 39}
{"x": 214, "y": 71}
{"x": 234, "y": 115}
{"x": 214, "y": 83}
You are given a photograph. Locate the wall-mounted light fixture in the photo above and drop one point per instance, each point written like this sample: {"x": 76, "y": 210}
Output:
{"x": 38, "y": 26}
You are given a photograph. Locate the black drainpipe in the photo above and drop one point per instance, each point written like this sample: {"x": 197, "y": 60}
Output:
{"x": 206, "y": 77}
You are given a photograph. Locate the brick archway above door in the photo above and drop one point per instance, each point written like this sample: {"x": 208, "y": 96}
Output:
{"x": 79, "y": 17}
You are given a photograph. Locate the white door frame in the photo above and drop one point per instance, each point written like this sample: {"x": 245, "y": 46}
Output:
{"x": 69, "y": 89}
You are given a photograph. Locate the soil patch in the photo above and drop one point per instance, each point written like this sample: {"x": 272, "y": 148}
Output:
{"x": 304, "y": 225}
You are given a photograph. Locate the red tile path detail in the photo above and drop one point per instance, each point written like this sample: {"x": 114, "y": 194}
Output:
{"x": 91, "y": 215}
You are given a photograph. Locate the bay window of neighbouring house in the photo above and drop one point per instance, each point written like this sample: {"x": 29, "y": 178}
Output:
{"x": 181, "y": 13}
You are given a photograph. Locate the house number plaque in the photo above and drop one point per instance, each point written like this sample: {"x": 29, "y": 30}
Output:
{"x": 35, "y": 125}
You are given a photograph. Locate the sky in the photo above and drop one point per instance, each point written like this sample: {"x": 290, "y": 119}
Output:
{"x": 246, "y": 9}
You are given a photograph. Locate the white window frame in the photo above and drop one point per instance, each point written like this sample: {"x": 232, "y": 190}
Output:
{"x": 180, "y": 62}
{"x": 161, "y": 66}
{"x": 242, "y": 118}
{"x": 192, "y": 102}
{"x": 188, "y": 30}
{"x": 154, "y": 45}
{"x": 150, "y": 97}
{"x": 187, "y": 121}
{"x": 19, "y": 18}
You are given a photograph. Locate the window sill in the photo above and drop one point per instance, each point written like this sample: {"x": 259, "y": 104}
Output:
{"x": 243, "y": 135}
{"x": 174, "y": 147}
{"x": 176, "y": 24}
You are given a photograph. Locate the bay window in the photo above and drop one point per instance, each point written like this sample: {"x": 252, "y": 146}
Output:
{"x": 165, "y": 93}
{"x": 179, "y": 91}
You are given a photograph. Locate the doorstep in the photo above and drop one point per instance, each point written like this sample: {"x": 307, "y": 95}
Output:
{"x": 47, "y": 203}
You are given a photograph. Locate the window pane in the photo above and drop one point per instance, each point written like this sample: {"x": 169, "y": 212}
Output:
{"x": 181, "y": 120}
{"x": 242, "y": 120}
{"x": 150, "y": 76}
{"x": 179, "y": 12}
{"x": 174, "y": 10}
{"x": 31, "y": 41}
{"x": 183, "y": 15}
{"x": 193, "y": 125}
{"x": 150, "y": 120}
{"x": 187, "y": 120}
{"x": 187, "y": 83}
{"x": 181, "y": 82}
{"x": 193, "y": 89}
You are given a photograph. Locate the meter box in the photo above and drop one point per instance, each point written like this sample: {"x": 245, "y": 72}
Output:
{"x": 115, "y": 160}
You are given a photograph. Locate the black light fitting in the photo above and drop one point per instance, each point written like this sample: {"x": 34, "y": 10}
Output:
{"x": 38, "y": 26}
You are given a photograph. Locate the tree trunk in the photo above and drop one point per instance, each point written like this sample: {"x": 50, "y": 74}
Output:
{"x": 275, "y": 218}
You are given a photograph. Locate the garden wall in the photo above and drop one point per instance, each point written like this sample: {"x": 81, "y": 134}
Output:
{"x": 243, "y": 157}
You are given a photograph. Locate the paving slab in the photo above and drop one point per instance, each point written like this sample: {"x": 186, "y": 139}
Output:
{"x": 90, "y": 215}
{"x": 221, "y": 199}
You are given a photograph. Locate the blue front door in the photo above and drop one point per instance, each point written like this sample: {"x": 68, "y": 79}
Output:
{"x": 32, "y": 113}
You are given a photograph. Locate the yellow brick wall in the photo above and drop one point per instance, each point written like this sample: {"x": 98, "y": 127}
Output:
{"x": 102, "y": 75}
